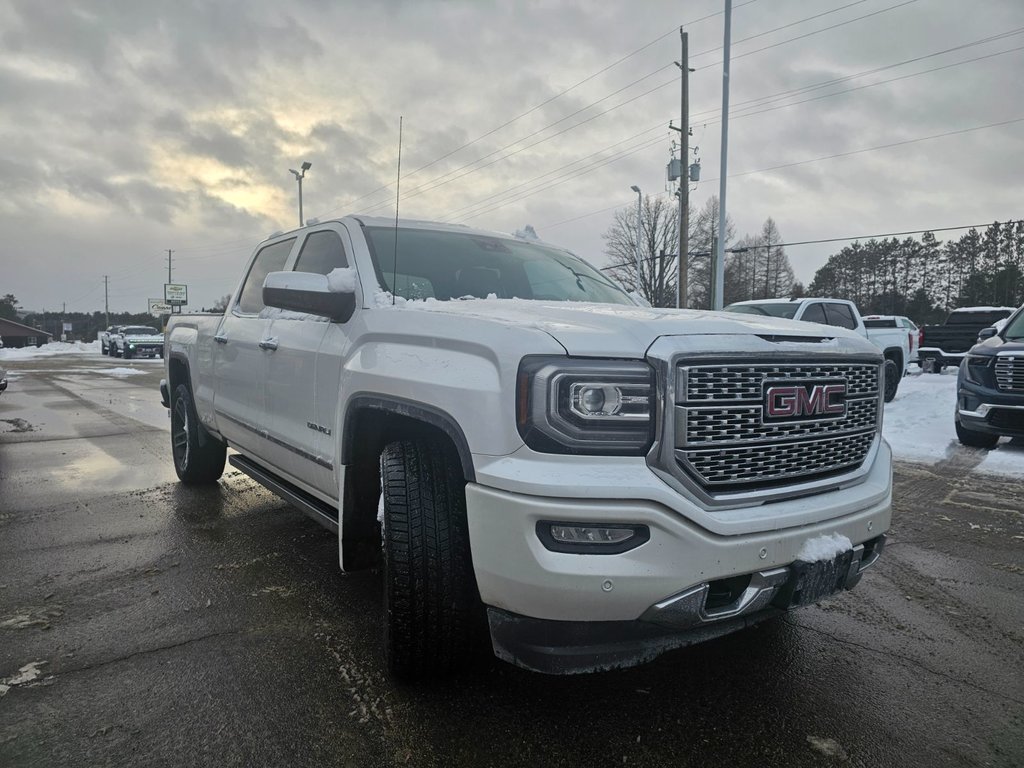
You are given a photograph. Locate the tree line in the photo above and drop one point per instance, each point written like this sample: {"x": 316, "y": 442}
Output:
{"x": 926, "y": 278}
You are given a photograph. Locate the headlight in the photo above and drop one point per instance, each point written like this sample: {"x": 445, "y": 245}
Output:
{"x": 586, "y": 406}
{"x": 975, "y": 367}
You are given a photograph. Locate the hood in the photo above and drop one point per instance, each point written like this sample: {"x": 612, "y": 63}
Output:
{"x": 996, "y": 345}
{"x": 610, "y": 330}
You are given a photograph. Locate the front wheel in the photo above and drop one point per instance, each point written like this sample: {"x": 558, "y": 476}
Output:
{"x": 892, "y": 380}
{"x": 198, "y": 455}
{"x": 973, "y": 438}
{"x": 432, "y": 609}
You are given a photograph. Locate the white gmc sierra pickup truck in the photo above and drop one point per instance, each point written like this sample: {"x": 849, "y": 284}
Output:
{"x": 588, "y": 481}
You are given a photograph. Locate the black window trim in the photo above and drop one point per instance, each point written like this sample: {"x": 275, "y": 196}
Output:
{"x": 235, "y": 310}
{"x": 349, "y": 262}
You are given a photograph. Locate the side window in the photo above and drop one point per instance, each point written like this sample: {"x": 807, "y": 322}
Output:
{"x": 841, "y": 315}
{"x": 814, "y": 314}
{"x": 322, "y": 252}
{"x": 269, "y": 259}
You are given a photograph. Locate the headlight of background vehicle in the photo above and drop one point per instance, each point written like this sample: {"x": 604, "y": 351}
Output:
{"x": 586, "y": 406}
{"x": 975, "y": 367}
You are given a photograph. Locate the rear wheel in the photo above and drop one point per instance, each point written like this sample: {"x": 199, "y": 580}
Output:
{"x": 198, "y": 455}
{"x": 432, "y": 609}
{"x": 892, "y": 379}
{"x": 973, "y": 438}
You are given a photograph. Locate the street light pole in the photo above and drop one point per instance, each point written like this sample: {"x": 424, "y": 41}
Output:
{"x": 299, "y": 177}
{"x": 639, "y": 231}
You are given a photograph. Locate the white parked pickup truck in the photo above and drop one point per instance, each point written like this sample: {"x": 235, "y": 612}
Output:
{"x": 894, "y": 343}
{"x": 587, "y": 481}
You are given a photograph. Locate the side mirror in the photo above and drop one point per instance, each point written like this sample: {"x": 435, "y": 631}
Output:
{"x": 310, "y": 293}
{"x": 986, "y": 333}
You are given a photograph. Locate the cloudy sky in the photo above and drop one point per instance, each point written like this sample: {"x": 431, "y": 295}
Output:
{"x": 130, "y": 127}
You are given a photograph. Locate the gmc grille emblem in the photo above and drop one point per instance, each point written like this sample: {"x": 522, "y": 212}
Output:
{"x": 803, "y": 400}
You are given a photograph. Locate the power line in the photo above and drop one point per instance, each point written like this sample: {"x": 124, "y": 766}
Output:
{"x": 443, "y": 179}
{"x": 815, "y": 160}
{"x": 543, "y": 103}
{"x": 823, "y": 240}
{"x": 872, "y": 149}
{"x": 767, "y": 109}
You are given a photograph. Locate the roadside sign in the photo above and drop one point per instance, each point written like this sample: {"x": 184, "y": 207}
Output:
{"x": 176, "y": 294}
{"x": 67, "y": 327}
{"x": 159, "y": 307}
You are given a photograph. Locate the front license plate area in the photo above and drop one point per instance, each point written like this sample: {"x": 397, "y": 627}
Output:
{"x": 810, "y": 582}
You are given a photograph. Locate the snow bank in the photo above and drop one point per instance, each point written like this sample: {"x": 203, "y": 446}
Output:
{"x": 53, "y": 348}
{"x": 823, "y": 548}
{"x": 121, "y": 371}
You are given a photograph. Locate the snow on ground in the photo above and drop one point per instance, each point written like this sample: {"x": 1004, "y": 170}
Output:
{"x": 53, "y": 348}
{"x": 919, "y": 425}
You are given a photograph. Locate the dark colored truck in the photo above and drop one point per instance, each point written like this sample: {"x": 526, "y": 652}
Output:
{"x": 946, "y": 344}
{"x": 990, "y": 388}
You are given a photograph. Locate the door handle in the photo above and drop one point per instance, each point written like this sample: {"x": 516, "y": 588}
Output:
{"x": 220, "y": 338}
{"x": 270, "y": 344}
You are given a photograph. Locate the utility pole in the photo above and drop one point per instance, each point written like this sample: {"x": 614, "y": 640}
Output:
{"x": 719, "y": 284}
{"x": 169, "y": 252}
{"x": 682, "y": 284}
{"x": 106, "y": 299}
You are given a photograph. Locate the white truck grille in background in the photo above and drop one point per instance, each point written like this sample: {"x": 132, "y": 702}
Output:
{"x": 725, "y": 441}
{"x": 1010, "y": 373}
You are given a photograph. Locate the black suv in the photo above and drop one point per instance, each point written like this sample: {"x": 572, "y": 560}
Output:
{"x": 990, "y": 387}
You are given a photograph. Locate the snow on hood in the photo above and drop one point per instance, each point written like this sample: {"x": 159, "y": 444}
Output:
{"x": 592, "y": 330}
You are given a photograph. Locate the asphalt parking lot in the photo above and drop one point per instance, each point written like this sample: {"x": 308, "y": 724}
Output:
{"x": 145, "y": 623}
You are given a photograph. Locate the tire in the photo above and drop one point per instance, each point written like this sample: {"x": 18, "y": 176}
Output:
{"x": 103, "y": 349}
{"x": 892, "y": 379}
{"x": 127, "y": 354}
{"x": 973, "y": 438}
{"x": 198, "y": 456}
{"x": 113, "y": 351}
{"x": 432, "y": 609}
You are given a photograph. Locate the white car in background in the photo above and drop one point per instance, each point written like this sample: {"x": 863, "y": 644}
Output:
{"x": 872, "y": 322}
{"x": 839, "y": 313}
{"x": 137, "y": 341}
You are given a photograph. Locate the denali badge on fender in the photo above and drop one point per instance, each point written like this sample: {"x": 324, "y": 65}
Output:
{"x": 804, "y": 400}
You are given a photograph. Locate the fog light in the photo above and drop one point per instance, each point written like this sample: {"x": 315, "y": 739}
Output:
{"x": 591, "y": 538}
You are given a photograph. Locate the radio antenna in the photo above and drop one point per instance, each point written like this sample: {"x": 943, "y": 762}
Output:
{"x": 398, "y": 190}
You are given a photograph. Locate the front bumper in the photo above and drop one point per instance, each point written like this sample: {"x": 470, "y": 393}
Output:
{"x": 568, "y": 612}
{"x": 575, "y": 647}
{"x": 3, "y": 384}
{"x": 990, "y": 410}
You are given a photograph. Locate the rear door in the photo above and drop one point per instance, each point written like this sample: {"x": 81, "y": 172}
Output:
{"x": 239, "y": 359}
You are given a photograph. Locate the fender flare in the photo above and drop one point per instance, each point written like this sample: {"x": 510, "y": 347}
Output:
{"x": 411, "y": 409}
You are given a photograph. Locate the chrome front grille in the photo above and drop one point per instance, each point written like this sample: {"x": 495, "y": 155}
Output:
{"x": 724, "y": 425}
{"x": 725, "y": 442}
{"x": 788, "y": 461}
{"x": 1010, "y": 373}
{"x": 743, "y": 382}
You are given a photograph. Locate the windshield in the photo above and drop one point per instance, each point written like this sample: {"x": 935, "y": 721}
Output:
{"x": 140, "y": 330}
{"x": 1014, "y": 330}
{"x": 457, "y": 265}
{"x": 772, "y": 309}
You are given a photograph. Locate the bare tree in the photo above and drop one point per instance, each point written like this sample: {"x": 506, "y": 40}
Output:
{"x": 658, "y": 235}
{"x": 222, "y": 303}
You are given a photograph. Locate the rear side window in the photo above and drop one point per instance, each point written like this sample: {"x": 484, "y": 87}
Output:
{"x": 321, "y": 253}
{"x": 814, "y": 314}
{"x": 879, "y": 323}
{"x": 841, "y": 315}
{"x": 269, "y": 259}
